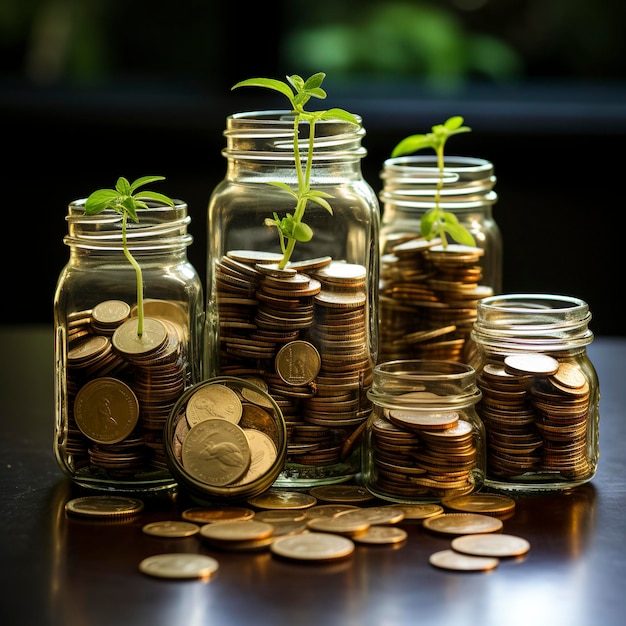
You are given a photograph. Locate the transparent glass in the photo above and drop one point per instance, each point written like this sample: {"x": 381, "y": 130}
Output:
{"x": 308, "y": 332}
{"x": 541, "y": 414}
{"x": 424, "y": 440}
{"x": 113, "y": 388}
{"x": 428, "y": 294}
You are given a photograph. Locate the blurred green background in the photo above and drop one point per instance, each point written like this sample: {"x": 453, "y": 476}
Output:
{"x": 95, "y": 89}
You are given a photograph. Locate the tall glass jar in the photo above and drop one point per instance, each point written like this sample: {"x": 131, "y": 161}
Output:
{"x": 428, "y": 291}
{"x": 306, "y": 333}
{"x": 424, "y": 440}
{"x": 541, "y": 395}
{"x": 114, "y": 387}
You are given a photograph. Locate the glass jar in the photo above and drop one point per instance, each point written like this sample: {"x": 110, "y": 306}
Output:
{"x": 114, "y": 387}
{"x": 428, "y": 292}
{"x": 424, "y": 440}
{"x": 307, "y": 333}
{"x": 541, "y": 395}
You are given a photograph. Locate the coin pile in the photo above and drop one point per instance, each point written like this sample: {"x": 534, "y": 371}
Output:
{"x": 121, "y": 387}
{"x": 417, "y": 454}
{"x": 224, "y": 439}
{"x": 535, "y": 409}
{"x": 303, "y": 331}
{"x": 428, "y": 297}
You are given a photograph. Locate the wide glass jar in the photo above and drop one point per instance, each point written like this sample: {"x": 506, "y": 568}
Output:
{"x": 424, "y": 440}
{"x": 308, "y": 332}
{"x": 428, "y": 290}
{"x": 541, "y": 394}
{"x": 116, "y": 380}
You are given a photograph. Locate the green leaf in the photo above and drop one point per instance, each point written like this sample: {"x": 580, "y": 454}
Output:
{"x": 302, "y": 232}
{"x": 426, "y": 224}
{"x": 314, "y": 81}
{"x": 411, "y": 144}
{"x": 460, "y": 234}
{"x": 268, "y": 83}
{"x": 284, "y": 187}
{"x": 339, "y": 114}
{"x": 100, "y": 200}
{"x": 157, "y": 197}
{"x": 144, "y": 180}
{"x": 123, "y": 186}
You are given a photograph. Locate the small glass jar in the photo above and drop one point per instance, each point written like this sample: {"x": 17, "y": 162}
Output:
{"x": 541, "y": 395}
{"x": 428, "y": 291}
{"x": 424, "y": 440}
{"x": 308, "y": 331}
{"x": 116, "y": 381}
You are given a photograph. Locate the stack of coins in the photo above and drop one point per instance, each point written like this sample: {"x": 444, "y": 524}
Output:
{"x": 428, "y": 296}
{"x": 416, "y": 453}
{"x": 535, "y": 409}
{"x": 303, "y": 331}
{"x": 121, "y": 387}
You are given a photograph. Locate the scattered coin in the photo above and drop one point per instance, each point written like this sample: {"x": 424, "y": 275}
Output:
{"x": 328, "y": 510}
{"x": 104, "y": 506}
{"x": 313, "y": 546}
{"x": 282, "y": 499}
{"x": 181, "y": 565}
{"x": 418, "y": 511}
{"x": 488, "y": 503}
{"x": 382, "y": 534}
{"x": 373, "y": 515}
{"x": 278, "y": 516}
{"x": 495, "y": 545}
{"x": 463, "y": 523}
{"x": 168, "y": 528}
{"x": 238, "y": 530}
{"x": 338, "y": 525}
{"x": 352, "y": 494}
{"x": 449, "y": 559}
{"x": 206, "y": 515}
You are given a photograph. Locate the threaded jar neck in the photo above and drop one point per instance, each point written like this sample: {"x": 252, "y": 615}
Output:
{"x": 160, "y": 227}
{"x": 532, "y": 322}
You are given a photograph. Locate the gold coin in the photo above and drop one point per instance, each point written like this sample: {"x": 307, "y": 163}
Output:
{"x": 298, "y": 362}
{"x": 263, "y": 455}
{"x": 282, "y": 499}
{"x": 213, "y": 401}
{"x": 480, "y": 503}
{"x": 327, "y": 510}
{"x": 216, "y": 452}
{"x": 313, "y": 546}
{"x": 463, "y": 523}
{"x": 207, "y": 515}
{"x": 374, "y": 514}
{"x": 418, "y": 511}
{"x": 238, "y": 530}
{"x": 127, "y": 340}
{"x": 177, "y": 565}
{"x": 449, "y": 559}
{"x": 106, "y": 410}
{"x": 495, "y": 545}
{"x": 382, "y": 534}
{"x": 169, "y": 528}
{"x": 104, "y": 506}
{"x": 342, "y": 493}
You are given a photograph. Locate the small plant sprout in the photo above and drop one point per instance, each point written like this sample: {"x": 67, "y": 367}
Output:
{"x": 126, "y": 200}
{"x": 435, "y": 222}
{"x": 291, "y": 228}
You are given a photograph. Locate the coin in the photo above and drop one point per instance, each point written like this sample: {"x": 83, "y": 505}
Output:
{"x": 338, "y": 525}
{"x": 449, "y": 559}
{"x": 212, "y": 401}
{"x": 382, "y": 534}
{"x": 106, "y": 410}
{"x": 496, "y": 545}
{"x": 282, "y": 499}
{"x": 531, "y": 363}
{"x": 328, "y": 510}
{"x": 488, "y": 503}
{"x": 216, "y": 452}
{"x": 313, "y": 546}
{"x": 169, "y": 528}
{"x": 127, "y": 340}
{"x": 353, "y": 494}
{"x": 104, "y": 506}
{"x": 263, "y": 455}
{"x": 183, "y": 565}
{"x": 374, "y": 514}
{"x": 110, "y": 312}
{"x": 418, "y": 511}
{"x": 463, "y": 523}
{"x": 206, "y": 515}
{"x": 237, "y": 530}
{"x": 298, "y": 362}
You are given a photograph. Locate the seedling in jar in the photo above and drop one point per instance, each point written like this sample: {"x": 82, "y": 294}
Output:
{"x": 298, "y": 91}
{"x": 127, "y": 201}
{"x": 436, "y": 222}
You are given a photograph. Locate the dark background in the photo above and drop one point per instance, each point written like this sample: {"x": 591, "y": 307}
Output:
{"x": 94, "y": 89}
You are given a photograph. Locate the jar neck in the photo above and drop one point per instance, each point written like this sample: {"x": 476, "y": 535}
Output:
{"x": 161, "y": 229}
{"x": 262, "y": 141}
{"x": 411, "y": 183}
{"x": 424, "y": 385}
{"x": 532, "y": 322}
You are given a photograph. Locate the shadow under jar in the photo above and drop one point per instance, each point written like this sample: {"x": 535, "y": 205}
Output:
{"x": 307, "y": 332}
{"x": 116, "y": 381}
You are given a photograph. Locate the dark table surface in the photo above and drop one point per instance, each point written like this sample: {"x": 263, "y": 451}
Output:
{"x": 57, "y": 569}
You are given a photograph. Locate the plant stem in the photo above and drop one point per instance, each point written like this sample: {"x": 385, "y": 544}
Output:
{"x": 139, "y": 274}
{"x": 440, "y": 167}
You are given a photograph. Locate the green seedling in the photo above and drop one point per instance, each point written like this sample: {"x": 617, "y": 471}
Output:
{"x": 436, "y": 222}
{"x": 298, "y": 91}
{"x": 127, "y": 201}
